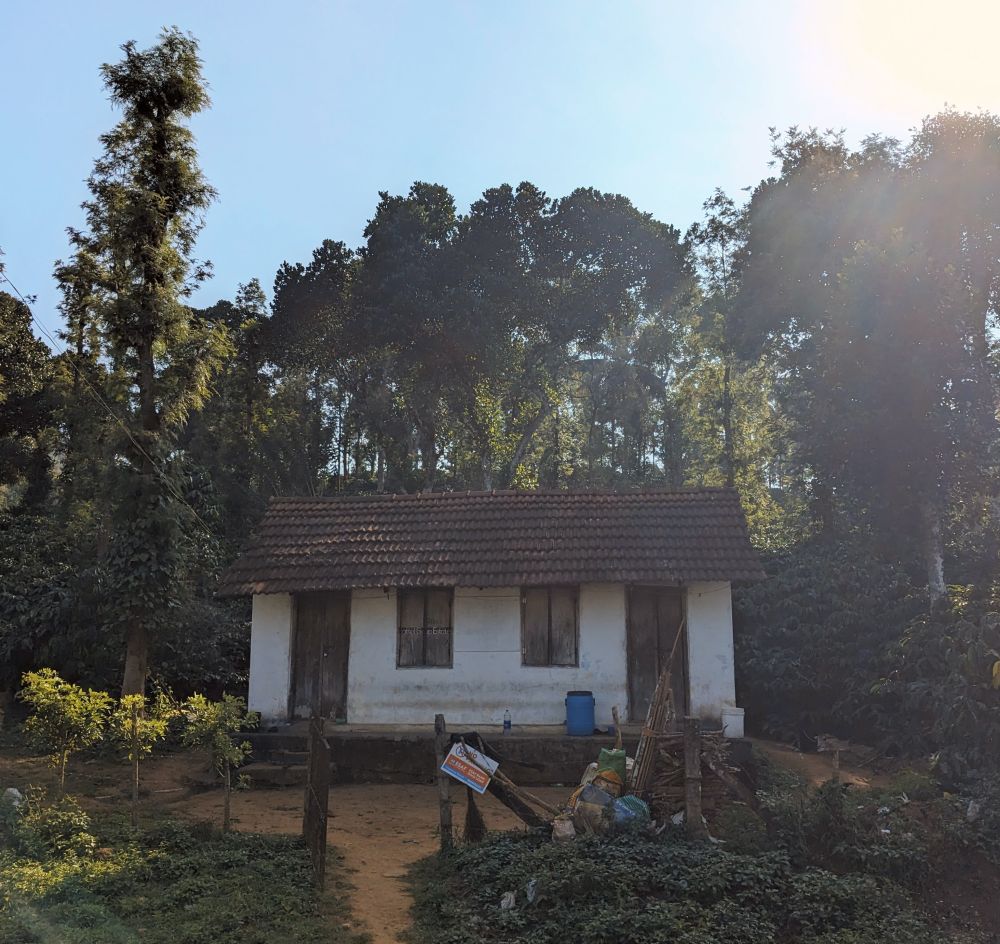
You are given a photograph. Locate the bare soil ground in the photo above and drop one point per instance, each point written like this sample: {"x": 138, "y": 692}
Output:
{"x": 379, "y": 829}
{"x": 818, "y": 768}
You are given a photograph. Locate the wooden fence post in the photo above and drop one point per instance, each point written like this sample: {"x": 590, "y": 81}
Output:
{"x": 314, "y": 817}
{"x": 693, "y": 822}
{"x": 441, "y": 748}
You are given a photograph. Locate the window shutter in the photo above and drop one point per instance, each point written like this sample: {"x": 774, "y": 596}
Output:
{"x": 535, "y": 627}
{"x": 438, "y": 628}
{"x": 411, "y": 628}
{"x": 562, "y": 636}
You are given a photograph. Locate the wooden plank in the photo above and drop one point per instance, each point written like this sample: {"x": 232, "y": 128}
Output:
{"x": 643, "y": 671}
{"x": 438, "y": 628}
{"x": 306, "y": 690}
{"x": 535, "y": 626}
{"x": 563, "y": 626}
{"x": 670, "y": 613}
{"x": 515, "y": 804}
{"x": 410, "y": 638}
{"x": 336, "y": 645}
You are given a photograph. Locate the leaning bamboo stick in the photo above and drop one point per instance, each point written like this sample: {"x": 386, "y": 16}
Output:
{"x": 659, "y": 713}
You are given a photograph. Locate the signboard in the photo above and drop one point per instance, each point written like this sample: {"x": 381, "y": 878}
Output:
{"x": 469, "y": 766}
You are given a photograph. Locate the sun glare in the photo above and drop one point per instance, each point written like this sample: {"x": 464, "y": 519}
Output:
{"x": 914, "y": 56}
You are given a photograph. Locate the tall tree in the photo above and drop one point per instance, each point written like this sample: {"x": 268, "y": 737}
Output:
{"x": 876, "y": 314}
{"x": 146, "y": 205}
{"x": 25, "y": 409}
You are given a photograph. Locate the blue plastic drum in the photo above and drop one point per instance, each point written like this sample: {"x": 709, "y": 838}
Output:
{"x": 580, "y": 713}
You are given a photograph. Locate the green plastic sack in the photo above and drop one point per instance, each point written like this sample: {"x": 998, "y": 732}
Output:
{"x": 612, "y": 760}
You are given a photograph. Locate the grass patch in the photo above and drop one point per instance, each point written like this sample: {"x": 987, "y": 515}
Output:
{"x": 169, "y": 882}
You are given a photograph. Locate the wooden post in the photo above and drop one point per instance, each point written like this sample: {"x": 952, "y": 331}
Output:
{"x": 441, "y": 748}
{"x": 316, "y": 801}
{"x": 693, "y": 822}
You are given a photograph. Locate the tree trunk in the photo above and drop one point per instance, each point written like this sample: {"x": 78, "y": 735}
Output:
{"x": 821, "y": 504}
{"x": 933, "y": 551}
{"x": 429, "y": 457}
{"x": 135, "y": 792}
{"x": 136, "y": 634}
{"x": 62, "y": 772}
{"x": 728, "y": 446}
{"x": 227, "y": 787}
{"x": 136, "y": 657}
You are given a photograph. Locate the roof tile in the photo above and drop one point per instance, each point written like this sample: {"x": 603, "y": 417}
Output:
{"x": 488, "y": 539}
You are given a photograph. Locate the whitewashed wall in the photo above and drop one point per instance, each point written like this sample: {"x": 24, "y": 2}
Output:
{"x": 711, "y": 668}
{"x": 271, "y": 655}
{"x": 487, "y": 675}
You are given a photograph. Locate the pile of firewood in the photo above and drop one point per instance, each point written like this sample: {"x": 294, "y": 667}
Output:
{"x": 666, "y": 787}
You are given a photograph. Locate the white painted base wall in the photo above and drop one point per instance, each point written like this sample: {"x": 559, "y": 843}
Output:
{"x": 711, "y": 664}
{"x": 271, "y": 655}
{"x": 487, "y": 675}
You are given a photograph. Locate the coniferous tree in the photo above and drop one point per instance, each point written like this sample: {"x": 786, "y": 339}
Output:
{"x": 146, "y": 206}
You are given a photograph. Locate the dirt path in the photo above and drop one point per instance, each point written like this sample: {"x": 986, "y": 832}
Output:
{"x": 818, "y": 768}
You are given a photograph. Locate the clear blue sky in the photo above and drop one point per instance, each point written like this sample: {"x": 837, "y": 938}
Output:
{"x": 318, "y": 106}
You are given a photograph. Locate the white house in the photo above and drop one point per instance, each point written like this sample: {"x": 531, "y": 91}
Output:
{"x": 390, "y": 609}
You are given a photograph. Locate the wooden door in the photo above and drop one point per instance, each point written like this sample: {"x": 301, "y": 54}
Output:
{"x": 322, "y": 642}
{"x": 654, "y": 616}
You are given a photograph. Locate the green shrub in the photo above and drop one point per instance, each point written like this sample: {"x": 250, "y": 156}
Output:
{"x": 742, "y": 830}
{"x": 65, "y": 718}
{"x": 943, "y": 685}
{"x": 60, "y": 828}
{"x": 814, "y": 638}
{"x": 837, "y": 827}
{"x": 636, "y": 890}
{"x": 170, "y": 883}
{"x": 914, "y": 785}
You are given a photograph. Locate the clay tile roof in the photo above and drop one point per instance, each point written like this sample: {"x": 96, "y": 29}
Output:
{"x": 496, "y": 539}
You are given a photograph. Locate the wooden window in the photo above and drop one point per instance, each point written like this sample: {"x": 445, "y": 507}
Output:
{"x": 549, "y": 626}
{"x": 424, "y": 630}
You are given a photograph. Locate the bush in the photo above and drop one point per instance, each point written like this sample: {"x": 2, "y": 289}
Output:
{"x": 168, "y": 884}
{"x": 943, "y": 688}
{"x": 839, "y": 642}
{"x": 814, "y": 639}
{"x": 44, "y": 829}
{"x": 65, "y": 718}
{"x": 635, "y": 890}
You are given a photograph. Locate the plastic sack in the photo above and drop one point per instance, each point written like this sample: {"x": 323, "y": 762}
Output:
{"x": 594, "y": 807}
{"x": 629, "y": 811}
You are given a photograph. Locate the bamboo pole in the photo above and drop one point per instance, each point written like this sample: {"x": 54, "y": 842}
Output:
{"x": 659, "y": 713}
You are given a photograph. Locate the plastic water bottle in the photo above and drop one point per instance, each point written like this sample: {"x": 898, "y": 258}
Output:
{"x": 506, "y": 721}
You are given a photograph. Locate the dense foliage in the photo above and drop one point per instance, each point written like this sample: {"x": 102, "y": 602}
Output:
{"x": 840, "y": 641}
{"x": 827, "y": 864}
{"x": 638, "y": 890}
{"x": 66, "y": 877}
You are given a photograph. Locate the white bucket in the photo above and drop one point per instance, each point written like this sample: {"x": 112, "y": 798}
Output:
{"x": 732, "y": 721}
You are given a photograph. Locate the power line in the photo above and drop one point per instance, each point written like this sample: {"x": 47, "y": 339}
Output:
{"x": 95, "y": 393}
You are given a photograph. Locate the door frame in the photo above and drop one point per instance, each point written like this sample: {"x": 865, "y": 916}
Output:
{"x": 686, "y": 701}
{"x": 294, "y": 649}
